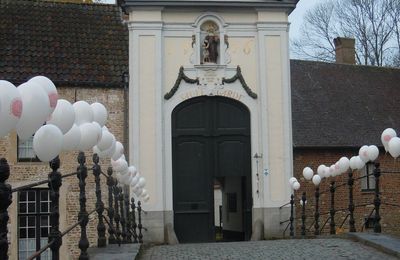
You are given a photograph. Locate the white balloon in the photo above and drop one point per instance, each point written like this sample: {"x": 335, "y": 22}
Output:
{"x": 394, "y": 147}
{"x": 135, "y": 188}
{"x": 108, "y": 152}
{"x": 321, "y": 170}
{"x": 337, "y": 169}
{"x": 363, "y": 153}
{"x": 125, "y": 171}
{"x": 98, "y": 132}
{"x": 83, "y": 112}
{"x": 35, "y": 111}
{"x": 47, "y": 142}
{"x": 373, "y": 152}
{"x": 316, "y": 180}
{"x": 11, "y": 107}
{"x": 119, "y": 150}
{"x": 48, "y": 86}
{"x": 120, "y": 165}
{"x": 135, "y": 180}
{"x": 107, "y": 139}
{"x": 63, "y": 116}
{"x": 144, "y": 193}
{"x": 296, "y": 185}
{"x": 353, "y": 163}
{"x": 138, "y": 192}
{"x": 89, "y": 138}
{"x": 308, "y": 173}
{"x": 359, "y": 163}
{"x": 142, "y": 182}
{"x": 344, "y": 164}
{"x": 292, "y": 180}
{"x": 126, "y": 179}
{"x": 72, "y": 139}
{"x": 132, "y": 170}
{"x": 332, "y": 171}
{"x": 99, "y": 113}
{"x": 386, "y": 136}
{"x": 146, "y": 198}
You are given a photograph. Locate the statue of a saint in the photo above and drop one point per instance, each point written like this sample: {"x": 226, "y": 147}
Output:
{"x": 210, "y": 46}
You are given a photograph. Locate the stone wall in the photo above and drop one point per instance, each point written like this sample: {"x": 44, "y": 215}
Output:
{"x": 27, "y": 172}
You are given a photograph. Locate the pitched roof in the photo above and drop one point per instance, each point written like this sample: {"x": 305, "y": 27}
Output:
{"x": 72, "y": 44}
{"x": 338, "y": 105}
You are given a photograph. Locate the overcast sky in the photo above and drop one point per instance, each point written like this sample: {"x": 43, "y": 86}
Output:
{"x": 296, "y": 17}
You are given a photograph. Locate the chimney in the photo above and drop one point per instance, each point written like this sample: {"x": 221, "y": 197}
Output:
{"x": 345, "y": 50}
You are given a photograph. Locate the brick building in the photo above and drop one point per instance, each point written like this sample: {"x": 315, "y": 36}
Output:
{"x": 82, "y": 48}
{"x": 336, "y": 108}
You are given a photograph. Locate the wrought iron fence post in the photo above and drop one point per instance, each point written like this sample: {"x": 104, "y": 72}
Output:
{"x": 54, "y": 186}
{"x": 5, "y": 202}
{"x": 128, "y": 219}
{"x": 350, "y": 182}
{"x": 303, "y": 215}
{"x": 377, "y": 200}
{"x": 332, "y": 210}
{"x": 116, "y": 207}
{"x": 101, "y": 228}
{"x": 291, "y": 216}
{"x": 140, "y": 227}
{"x": 134, "y": 225}
{"x": 122, "y": 215}
{"x": 316, "y": 214}
{"x": 110, "y": 184}
{"x": 83, "y": 215}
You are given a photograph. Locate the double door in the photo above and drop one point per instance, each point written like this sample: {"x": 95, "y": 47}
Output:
{"x": 211, "y": 139}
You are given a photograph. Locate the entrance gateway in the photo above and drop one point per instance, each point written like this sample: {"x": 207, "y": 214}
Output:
{"x": 211, "y": 142}
{"x": 210, "y": 116}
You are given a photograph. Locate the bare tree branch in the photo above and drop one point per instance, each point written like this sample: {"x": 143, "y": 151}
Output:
{"x": 373, "y": 23}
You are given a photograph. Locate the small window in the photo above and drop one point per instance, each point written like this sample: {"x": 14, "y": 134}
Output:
{"x": 368, "y": 183}
{"x": 33, "y": 223}
{"x": 25, "y": 151}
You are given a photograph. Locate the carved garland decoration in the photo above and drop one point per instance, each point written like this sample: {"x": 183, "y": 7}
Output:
{"x": 239, "y": 76}
{"x": 182, "y": 76}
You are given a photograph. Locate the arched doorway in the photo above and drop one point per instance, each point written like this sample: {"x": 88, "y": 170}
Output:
{"x": 211, "y": 149}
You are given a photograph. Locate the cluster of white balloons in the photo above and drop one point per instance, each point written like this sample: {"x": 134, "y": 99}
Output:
{"x": 79, "y": 126}
{"x": 365, "y": 154}
{"x": 294, "y": 184}
{"x": 391, "y": 142}
{"x": 128, "y": 175}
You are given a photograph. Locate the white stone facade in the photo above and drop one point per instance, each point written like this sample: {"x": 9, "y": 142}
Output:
{"x": 160, "y": 42}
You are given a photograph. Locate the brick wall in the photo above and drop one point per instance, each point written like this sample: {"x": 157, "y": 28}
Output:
{"x": 363, "y": 200}
{"x": 26, "y": 172}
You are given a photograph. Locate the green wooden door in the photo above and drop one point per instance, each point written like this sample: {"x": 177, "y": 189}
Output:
{"x": 211, "y": 138}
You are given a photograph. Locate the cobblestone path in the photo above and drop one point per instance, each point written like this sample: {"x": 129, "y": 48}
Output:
{"x": 333, "y": 248}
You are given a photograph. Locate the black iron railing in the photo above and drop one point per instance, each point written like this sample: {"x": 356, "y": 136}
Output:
{"x": 120, "y": 210}
{"x": 315, "y": 228}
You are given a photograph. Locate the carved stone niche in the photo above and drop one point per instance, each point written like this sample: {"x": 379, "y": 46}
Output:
{"x": 209, "y": 41}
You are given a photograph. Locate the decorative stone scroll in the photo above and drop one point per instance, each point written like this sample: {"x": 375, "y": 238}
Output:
{"x": 239, "y": 76}
{"x": 181, "y": 76}
{"x": 210, "y": 83}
